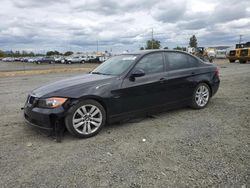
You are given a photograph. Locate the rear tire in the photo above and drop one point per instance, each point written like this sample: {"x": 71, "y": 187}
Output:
{"x": 242, "y": 62}
{"x": 85, "y": 119}
{"x": 201, "y": 96}
{"x": 231, "y": 61}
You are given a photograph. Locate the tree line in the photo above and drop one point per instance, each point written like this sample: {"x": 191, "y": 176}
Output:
{"x": 150, "y": 44}
{"x": 156, "y": 44}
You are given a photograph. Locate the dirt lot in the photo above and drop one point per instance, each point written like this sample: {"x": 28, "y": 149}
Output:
{"x": 24, "y": 66}
{"x": 182, "y": 148}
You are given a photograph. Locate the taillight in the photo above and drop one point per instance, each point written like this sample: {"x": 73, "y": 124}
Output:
{"x": 217, "y": 71}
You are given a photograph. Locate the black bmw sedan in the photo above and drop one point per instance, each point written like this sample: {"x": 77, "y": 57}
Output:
{"x": 125, "y": 86}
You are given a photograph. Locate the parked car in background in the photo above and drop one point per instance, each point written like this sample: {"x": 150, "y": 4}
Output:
{"x": 37, "y": 60}
{"x": 17, "y": 59}
{"x": 92, "y": 58}
{"x": 48, "y": 59}
{"x": 24, "y": 59}
{"x": 8, "y": 59}
{"x": 4, "y": 59}
{"x": 31, "y": 60}
{"x": 59, "y": 59}
{"x": 76, "y": 59}
{"x": 103, "y": 58}
{"x": 123, "y": 87}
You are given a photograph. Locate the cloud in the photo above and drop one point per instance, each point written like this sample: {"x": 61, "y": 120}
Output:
{"x": 112, "y": 7}
{"x": 230, "y": 11}
{"x": 169, "y": 11}
{"x": 35, "y": 3}
{"x": 195, "y": 24}
{"x": 78, "y": 25}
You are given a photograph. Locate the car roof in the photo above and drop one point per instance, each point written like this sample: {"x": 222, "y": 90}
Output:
{"x": 142, "y": 52}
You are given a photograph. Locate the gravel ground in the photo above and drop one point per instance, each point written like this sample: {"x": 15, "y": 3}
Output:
{"x": 24, "y": 66}
{"x": 179, "y": 148}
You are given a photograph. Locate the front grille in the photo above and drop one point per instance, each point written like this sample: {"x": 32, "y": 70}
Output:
{"x": 31, "y": 99}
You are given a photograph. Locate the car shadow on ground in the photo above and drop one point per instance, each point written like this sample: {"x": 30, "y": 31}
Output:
{"x": 109, "y": 128}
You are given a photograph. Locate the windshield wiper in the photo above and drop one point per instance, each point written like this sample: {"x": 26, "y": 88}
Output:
{"x": 100, "y": 73}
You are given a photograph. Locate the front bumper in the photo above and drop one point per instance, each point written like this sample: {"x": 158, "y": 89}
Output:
{"x": 42, "y": 117}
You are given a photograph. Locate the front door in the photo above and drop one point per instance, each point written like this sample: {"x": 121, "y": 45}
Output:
{"x": 147, "y": 91}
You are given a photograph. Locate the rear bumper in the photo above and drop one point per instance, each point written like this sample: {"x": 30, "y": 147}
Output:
{"x": 41, "y": 117}
{"x": 215, "y": 88}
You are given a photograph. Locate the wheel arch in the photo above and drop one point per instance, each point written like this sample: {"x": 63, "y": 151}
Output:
{"x": 95, "y": 98}
{"x": 209, "y": 85}
{"x": 74, "y": 104}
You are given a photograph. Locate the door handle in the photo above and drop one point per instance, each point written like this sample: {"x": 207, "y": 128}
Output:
{"x": 162, "y": 80}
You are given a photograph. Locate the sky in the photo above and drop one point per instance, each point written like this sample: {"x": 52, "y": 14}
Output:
{"x": 79, "y": 25}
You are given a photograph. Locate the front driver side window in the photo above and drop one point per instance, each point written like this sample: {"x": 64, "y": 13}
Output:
{"x": 152, "y": 63}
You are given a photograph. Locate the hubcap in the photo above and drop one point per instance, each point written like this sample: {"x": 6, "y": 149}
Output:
{"x": 87, "y": 119}
{"x": 202, "y": 96}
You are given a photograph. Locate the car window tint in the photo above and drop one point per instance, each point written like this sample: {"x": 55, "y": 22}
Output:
{"x": 193, "y": 62}
{"x": 177, "y": 60}
{"x": 180, "y": 60}
{"x": 152, "y": 63}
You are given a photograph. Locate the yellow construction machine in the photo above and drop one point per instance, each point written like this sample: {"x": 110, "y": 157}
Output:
{"x": 240, "y": 53}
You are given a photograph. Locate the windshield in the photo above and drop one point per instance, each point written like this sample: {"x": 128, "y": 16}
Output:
{"x": 115, "y": 65}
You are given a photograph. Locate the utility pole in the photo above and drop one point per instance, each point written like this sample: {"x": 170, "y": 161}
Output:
{"x": 97, "y": 46}
{"x": 240, "y": 39}
{"x": 152, "y": 45}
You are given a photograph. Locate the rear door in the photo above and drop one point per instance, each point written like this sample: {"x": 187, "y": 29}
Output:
{"x": 182, "y": 69}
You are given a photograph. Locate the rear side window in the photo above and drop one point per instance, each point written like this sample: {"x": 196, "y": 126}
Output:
{"x": 152, "y": 63}
{"x": 193, "y": 62}
{"x": 180, "y": 61}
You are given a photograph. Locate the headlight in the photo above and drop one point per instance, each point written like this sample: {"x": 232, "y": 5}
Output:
{"x": 52, "y": 102}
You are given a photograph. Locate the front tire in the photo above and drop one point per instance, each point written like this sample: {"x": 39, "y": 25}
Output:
{"x": 201, "y": 96}
{"x": 85, "y": 119}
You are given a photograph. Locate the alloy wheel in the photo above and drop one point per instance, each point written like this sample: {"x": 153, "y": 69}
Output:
{"x": 202, "y": 96}
{"x": 87, "y": 119}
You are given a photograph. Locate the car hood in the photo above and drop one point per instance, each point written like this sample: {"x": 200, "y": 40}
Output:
{"x": 72, "y": 87}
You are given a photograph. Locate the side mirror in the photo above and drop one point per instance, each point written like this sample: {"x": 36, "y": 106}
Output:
{"x": 138, "y": 73}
